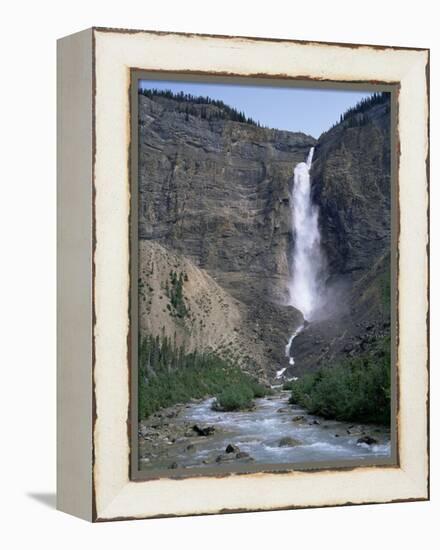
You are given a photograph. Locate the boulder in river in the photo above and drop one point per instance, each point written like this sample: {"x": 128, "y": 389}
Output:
{"x": 229, "y": 457}
{"x": 224, "y": 458}
{"x": 209, "y": 430}
{"x": 298, "y": 418}
{"x": 288, "y": 442}
{"x": 232, "y": 449}
{"x": 367, "y": 439}
{"x": 243, "y": 454}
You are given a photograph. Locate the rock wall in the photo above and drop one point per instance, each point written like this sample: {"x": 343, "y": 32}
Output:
{"x": 214, "y": 200}
{"x": 216, "y": 192}
{"x": 351, "y": 184}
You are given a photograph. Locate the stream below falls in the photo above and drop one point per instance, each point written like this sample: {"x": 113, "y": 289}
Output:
{"x": 274, "y": 432}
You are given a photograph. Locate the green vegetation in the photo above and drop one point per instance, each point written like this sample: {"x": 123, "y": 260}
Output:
{"x": 357, "y": 115}
{"x": 223, "y": 111}
{"x": 174, "y": 291}
{"x": 365, "y": 104}
{"x": 355, "y": 390}
{"x": 168, "y": 374}
{"x": 234, "y": 398}
{"x": 240, "y": 396}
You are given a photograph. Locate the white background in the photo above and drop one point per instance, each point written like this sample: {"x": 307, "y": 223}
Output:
{"x": 27, "y": 300}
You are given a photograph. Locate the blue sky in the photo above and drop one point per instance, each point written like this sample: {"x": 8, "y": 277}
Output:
{"x": 307, "y": 110}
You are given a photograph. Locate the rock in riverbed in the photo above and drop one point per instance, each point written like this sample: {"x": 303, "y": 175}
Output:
{"x": 243, "y": 454}
{"x": 367, "y": 440}
{"x": 230, "y": 457}
{"x": 209, "y": 430}
{"x": 288, "y": 442}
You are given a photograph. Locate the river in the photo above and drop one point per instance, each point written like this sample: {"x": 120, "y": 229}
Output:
{"x": 169, "y": 441}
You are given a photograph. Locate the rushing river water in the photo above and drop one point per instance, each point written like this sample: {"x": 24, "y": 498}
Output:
{"x": 259, "y": 433}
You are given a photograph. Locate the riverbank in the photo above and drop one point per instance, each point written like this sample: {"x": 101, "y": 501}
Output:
{"x": 274, "y": 432}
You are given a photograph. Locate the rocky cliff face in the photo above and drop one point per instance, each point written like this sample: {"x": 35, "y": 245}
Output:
{"x": 214, "y": 210}
{"x": 215, "y": 192}
{"x": 351, "y": 185}
{"x": 184, "y": 303}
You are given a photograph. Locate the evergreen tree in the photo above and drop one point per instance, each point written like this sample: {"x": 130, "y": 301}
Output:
{"x": 222, "y": 111}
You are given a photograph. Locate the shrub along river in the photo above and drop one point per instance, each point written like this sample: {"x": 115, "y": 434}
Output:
{"x": 273, "y": 432}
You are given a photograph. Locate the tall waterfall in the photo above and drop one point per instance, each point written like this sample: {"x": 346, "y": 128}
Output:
{"x": 307, "y": 263}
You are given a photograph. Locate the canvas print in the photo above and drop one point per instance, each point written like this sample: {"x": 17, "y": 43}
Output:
{"x": 264, "y": 276}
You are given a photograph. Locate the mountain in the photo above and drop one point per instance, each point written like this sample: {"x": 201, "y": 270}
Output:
{"x": 214, "y": 192}
{"x": 351, "y": 184}
{"x": 215, "y": 231}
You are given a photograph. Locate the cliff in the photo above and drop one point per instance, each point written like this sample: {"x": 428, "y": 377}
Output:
{"x": 215, "y": 192}
{"x": 351, "y": 184}
{"x": 215, "y": 232}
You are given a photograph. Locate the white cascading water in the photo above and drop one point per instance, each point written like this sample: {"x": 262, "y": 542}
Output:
{"x": 280, "y": 373}
{"x": 304, "y": 285}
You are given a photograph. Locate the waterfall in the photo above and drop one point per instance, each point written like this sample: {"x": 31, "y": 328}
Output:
{"x": 304, "y": 285}
{"x": 307, "y": 263}
{"x": 289, "y": 344}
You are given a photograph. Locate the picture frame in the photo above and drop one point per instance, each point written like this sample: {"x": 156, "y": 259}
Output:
{"x": 97, "y": 346}
{"x": 138, "y": 177}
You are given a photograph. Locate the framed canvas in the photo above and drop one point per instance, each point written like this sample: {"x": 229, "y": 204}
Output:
{"x": 242, "y": 274}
